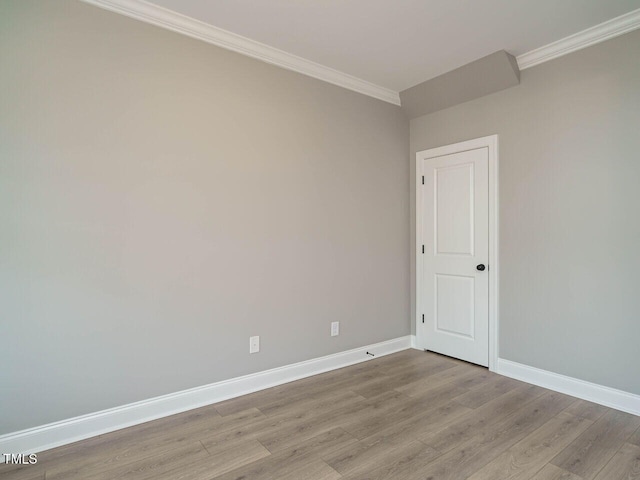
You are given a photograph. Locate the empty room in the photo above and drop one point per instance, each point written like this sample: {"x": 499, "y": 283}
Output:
{"x": 319, "y": 240}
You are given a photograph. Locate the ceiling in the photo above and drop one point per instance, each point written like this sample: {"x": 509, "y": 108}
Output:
{"x": 399, "y": 43}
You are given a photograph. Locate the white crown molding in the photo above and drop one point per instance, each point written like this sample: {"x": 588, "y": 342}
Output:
{"x": 68, "y": 431}
{"x": 592, "y": 392}
{"x": 599, "y": 33}
{"x": 176, "y": 22}
{"x": 165, "y": 18}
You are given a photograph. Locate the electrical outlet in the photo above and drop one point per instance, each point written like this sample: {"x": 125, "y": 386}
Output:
{"x": 254, "y": 344}
{"x": 335, "y": 329}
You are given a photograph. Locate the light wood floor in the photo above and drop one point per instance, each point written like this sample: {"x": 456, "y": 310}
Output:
{"x": 411, "y": 415}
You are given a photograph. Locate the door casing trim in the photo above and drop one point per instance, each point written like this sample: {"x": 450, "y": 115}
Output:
{"x": 491, "y": 143}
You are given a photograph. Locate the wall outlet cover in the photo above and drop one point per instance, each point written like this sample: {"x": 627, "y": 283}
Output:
{"x": 254, "y": 344}
{"x": 335, "y": 329}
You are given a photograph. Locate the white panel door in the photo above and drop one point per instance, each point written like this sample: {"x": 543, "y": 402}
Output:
{"x": 455, "y": 233}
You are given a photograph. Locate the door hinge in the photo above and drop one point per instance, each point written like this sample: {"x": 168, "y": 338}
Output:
{"x": 423, "y": 179}
{"x": 423, "y": 318}
{"x": 422, "y": 248}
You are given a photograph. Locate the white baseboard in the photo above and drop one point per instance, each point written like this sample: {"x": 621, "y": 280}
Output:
{"x": 414, "y": 343}
{"x": 610, "y": 397}
{"x": 67, "y": 431}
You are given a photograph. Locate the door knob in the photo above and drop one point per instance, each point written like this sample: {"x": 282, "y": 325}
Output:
{"x": 480, "y": 267}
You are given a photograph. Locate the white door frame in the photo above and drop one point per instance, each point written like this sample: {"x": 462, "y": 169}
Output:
{"x": 490, "y": 142}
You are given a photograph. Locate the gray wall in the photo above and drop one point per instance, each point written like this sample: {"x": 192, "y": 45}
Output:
{"x": 569, "y": 140}
{"x": 162, "y": 199}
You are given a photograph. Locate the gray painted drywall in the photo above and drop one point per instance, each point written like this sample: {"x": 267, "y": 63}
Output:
{"x": 569, "y": 209}
{"x": 162, "y": 199}
{"x": 486, "y": 75}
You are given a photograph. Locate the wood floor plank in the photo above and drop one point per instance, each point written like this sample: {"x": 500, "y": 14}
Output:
{"x": 220, "y": 461}
{"x": 491, "y": 388}
{"x": 479, "y": 378}
{"x": 625, "y": 464}
{"x": 323, "y": 444}
{"x": 424, "y": 422}
{"x": 292, "y": 458}
{"x": 530, "y": 454}
{"x": 281, "y": 431}
{"x": 25, "y": 472}
{"x": 252, "y": 400}
{"x": 365, "y": 426}
{"x": 267, "y": 427}
{"x": 466, "y": 376}
{"x": 635, "y": 438}
{"x": 145, "y": 469}
{"x": 586, "y": 455}
{"x": 315, "y": 469}
{"x": 360, "y": 456}
{"x": 337, "y": 401}
{"x": 410, "y": 459}
{"x": 415, "y": 358}
{"x": 326, "y": 443}
{"x": 276, "y": 466}
{"x": 429, "y": 364}
{"x": 472, "y": 455}
{"x": 589, "y": 410}
{"x": 473, "y": 423}
{"x": 306, "y": 387}
{"x": 314, "y": 403}
{"x": 290, "y": 433}
{"x": 233, "y": 456}
{"x": 232, "y": 432}
{"x": 394, "y": 379}
{"x": 551, "y": 472}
